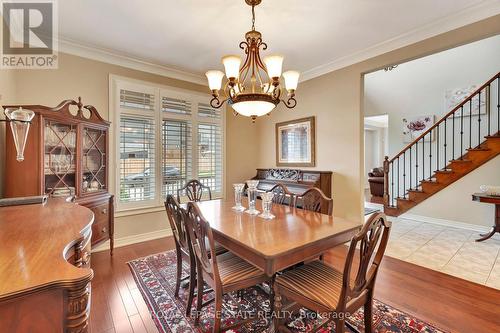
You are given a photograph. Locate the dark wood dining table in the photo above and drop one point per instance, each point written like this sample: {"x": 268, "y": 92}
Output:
{"x": 294, "y": 236}
{"x": 494, "y": 200}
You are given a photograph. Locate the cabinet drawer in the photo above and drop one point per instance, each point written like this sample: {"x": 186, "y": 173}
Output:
{"x": 100, "y": 231}
{"x": 101, "y": 213}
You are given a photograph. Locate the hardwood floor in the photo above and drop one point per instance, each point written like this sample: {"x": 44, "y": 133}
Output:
{"x": 450, "y": 303}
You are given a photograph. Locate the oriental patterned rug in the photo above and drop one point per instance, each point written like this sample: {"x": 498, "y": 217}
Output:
{"x": 155, "y": 278}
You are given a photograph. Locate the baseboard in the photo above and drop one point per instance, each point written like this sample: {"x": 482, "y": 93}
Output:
{"x": 129, "y": 240}
{"x": 446, "y": 223}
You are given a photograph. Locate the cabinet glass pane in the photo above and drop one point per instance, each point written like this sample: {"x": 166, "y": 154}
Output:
{"x": 94, "y": 160}
{"x": 59, "y": 158}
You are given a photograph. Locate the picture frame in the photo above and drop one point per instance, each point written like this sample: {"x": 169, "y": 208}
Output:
{"x": 415, "y": 126}
{"x": 296, "y": 143}
{"x": 479, "y": 104}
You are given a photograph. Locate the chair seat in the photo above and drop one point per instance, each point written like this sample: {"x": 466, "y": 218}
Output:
{"x": 219, "y": 249}
{"x": 316, "y": 281}
{"x": 233, "y": 269}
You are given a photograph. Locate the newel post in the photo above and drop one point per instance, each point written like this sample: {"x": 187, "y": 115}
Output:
{"x": 386, "y": 181}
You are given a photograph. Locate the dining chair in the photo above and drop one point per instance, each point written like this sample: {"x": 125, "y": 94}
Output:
{"x": 194, "y": 191}
{"x": 315, "y": 200}
{"x": 324, "y": 289}
{"x": 223, "y": 273}
{"x": 177, "y": 219}
{"x": 282, "y": 195}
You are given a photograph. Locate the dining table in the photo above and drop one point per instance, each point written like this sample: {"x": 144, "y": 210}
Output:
{"x": 293, "y": 236}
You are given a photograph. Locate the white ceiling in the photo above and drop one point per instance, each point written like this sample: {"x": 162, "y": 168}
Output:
{"x": 315, "y": 36}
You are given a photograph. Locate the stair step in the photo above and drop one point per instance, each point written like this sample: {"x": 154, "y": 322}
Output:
{"x": 461, "y": 161}
{"x": 447, "y": 171}
{"x": 492, "y": 136}
{"x": 431, "y": 186}
{"x": 478, "y": 149}
{"x": 417, "y": 195}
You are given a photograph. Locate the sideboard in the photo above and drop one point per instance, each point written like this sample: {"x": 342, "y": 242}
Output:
{"x": 45, "y": 268}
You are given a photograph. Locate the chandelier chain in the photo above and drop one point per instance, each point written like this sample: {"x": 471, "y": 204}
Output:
{"x": 253, "y": 17}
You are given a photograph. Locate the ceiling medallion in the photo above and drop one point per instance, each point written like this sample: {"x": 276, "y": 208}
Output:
{"x": 255, "y": 88}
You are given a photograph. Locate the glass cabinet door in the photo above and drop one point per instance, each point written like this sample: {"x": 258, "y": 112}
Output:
{"x": 59, "y": 158}
{"x": 93, "y": 160}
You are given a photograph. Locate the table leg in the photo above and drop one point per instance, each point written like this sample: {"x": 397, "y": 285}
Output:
{"x": 494, "y": 229}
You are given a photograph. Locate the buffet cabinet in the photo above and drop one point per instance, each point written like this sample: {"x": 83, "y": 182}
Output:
{"x": 66, "y": 155}
{"x": 45, "y": 280}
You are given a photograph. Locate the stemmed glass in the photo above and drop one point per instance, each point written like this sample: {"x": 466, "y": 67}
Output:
{"x": 238, "y": 190}
{"x": 252, "y": 196}
{"x": 267, "y": 204}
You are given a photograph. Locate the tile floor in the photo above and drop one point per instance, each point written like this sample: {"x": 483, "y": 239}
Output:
{"x": 446, "y": 249}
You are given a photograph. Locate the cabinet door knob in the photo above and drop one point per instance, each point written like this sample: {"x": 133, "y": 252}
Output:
{"x": 104, "y": 210}
{"x": 103, "y": 230}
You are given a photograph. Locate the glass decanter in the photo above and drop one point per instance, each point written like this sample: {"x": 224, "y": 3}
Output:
{"x": 252, "y": 196}
{"x": 267, "y": 204}
{"x": 238, "y": 191}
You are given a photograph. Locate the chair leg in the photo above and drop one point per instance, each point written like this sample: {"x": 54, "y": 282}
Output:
{"x": 192, "y": 281}
{"x": 278, "y": 319}
{"x": 339, "y": 325}
{"x": 369, "y": 314}
{"x": 199, "y": 297}
{"x": 218, "y": 311}
{"x": 179, "y": 272}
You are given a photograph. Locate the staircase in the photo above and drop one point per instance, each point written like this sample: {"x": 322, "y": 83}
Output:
{"x": 463, "y": 140}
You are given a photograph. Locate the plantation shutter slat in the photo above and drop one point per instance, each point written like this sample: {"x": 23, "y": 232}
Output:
{"x": 137, "y": 100}
{"x": 210, "y": 156}
{"x": 137, "y": 159}
{"x": 205, "y": 110}
{"x": 175, "y": 106}
{"x": 177, "y": 155}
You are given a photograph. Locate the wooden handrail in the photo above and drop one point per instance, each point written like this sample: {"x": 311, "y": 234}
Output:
{"x": 468, "y": 99}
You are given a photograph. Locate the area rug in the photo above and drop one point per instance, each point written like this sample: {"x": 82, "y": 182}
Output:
{"x": 155, "y": 278}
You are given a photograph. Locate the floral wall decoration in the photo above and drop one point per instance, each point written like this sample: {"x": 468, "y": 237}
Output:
{"x": 454, "y": 97}
{"x": 413, "y": 127}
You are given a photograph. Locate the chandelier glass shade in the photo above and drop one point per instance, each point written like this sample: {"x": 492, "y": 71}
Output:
{"x": 255, "y": 86}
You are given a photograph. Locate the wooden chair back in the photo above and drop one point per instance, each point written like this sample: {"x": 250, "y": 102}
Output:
{"x": 282, "y": 195}
{"x": 200, "y": 235}
{"x": 315, "y": 200}
{"x": 194, "y": 191}
{"x": 177, "y": 219}
{"x": 372, "y": 240}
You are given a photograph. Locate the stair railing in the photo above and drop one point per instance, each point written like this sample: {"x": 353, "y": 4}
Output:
{"x": 454, "y": 134}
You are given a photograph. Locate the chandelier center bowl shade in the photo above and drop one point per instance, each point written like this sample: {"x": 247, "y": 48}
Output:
{"x": 255, "y": 86}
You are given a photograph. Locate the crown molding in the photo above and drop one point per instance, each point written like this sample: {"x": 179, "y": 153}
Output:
{"x": 462, "y": 18}
{"x": 111, "y": 57}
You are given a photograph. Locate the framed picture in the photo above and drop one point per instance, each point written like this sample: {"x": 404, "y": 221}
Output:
{"x": 295, "y": 143}
{"x": 413, "y": 127}
{"x": 453, "y": 97}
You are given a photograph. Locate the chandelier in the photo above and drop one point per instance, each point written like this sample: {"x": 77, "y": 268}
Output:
{"x": 255, "y": 88}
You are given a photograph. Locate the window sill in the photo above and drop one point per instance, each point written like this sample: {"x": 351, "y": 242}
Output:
{"x": 153, "y": 209}
{"x": 139, "y": 211}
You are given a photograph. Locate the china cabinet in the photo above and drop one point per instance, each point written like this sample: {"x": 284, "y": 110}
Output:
{"x": 66, "y": 155}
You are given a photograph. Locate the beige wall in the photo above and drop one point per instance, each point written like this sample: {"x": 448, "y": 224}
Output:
{"x": 454, "y": 203}
{"x": 89, "y": 79}
{"x": 241, "y": 150}
{"x": 336, "y": 100}
{"x": 7, "y": 96}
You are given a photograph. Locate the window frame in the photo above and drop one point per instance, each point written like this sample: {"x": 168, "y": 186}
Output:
{"x": 117, "y": 83}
